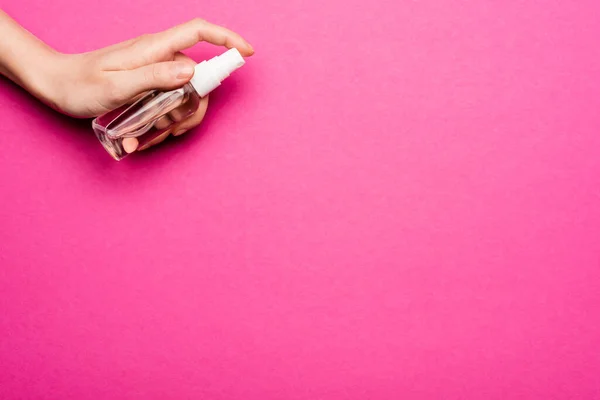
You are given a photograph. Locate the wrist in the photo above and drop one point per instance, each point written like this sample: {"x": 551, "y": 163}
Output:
{"x": 28, "y": 61}
{"x": 40, "y": 74}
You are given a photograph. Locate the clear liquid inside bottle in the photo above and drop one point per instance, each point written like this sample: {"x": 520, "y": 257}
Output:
{"x": 145, "y": 119}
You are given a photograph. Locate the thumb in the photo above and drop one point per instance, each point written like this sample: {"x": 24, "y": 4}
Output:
{"x": 163, "y": 76}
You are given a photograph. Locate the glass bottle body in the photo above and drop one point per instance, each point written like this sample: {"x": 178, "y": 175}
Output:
{"x": 145, "y": 118}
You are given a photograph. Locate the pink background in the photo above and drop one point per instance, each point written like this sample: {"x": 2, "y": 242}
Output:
{"x": 392, "y": 200}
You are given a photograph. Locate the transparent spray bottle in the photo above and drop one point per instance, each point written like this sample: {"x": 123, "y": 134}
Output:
{"x": 148, "y": 117}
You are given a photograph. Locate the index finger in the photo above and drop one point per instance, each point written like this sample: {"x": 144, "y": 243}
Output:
{"x": 161, "y": 46}
{"x": 197, "y": 30}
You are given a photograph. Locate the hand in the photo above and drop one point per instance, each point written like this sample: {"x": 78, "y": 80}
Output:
{"x": 90, "y": 84}
{"x": 94, "y": 83}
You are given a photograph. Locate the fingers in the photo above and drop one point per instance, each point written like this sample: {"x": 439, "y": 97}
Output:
{"x": 174, "y": 118}
{"x": 156, "y": 140}
{"x": 181, "y": 127}
{"x": 161, "y": 46}
{"x": 192, "y": 121}
{"x": 125, "y": 85}
{"x": 182, "y": 57}
{"x": 188, "y": 34}
{"x": 163, "y": 122}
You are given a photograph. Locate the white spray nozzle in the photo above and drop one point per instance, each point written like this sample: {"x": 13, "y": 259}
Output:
{"x": 209, "y": 74}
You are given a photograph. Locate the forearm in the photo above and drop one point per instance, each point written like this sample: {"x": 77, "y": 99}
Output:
{"x": 25, "y": 59}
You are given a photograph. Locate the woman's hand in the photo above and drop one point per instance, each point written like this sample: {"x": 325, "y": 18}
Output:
{"x": 90, "y": 84}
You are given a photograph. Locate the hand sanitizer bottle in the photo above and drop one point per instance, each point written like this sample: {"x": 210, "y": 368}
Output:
{"x": 147, "y": 117}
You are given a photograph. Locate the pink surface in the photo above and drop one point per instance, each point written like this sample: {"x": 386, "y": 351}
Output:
{"x": 392, "y": 200}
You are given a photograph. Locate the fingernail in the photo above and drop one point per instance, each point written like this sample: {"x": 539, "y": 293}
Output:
{"x": 250, "y": 47}
{"x": 183, "y": 71}
{"x": 129, "y": 144}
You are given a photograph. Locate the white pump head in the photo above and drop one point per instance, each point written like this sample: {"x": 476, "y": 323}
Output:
{"x": 209, "y": 74}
